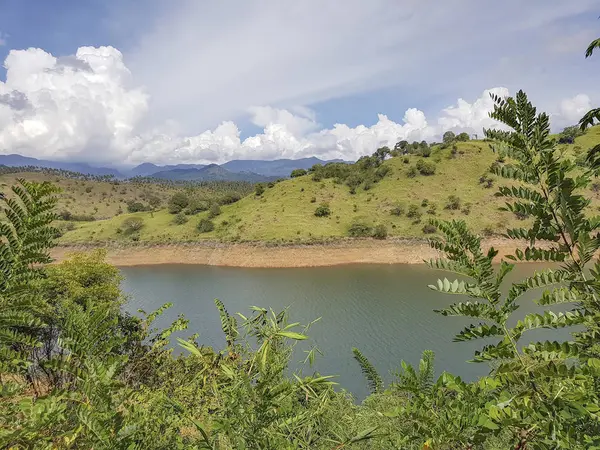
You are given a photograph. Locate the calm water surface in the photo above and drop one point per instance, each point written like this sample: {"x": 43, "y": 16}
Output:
{"x": 384, "y": 310}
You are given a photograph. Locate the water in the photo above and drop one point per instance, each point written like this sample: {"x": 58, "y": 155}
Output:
{"x": 384, "y": 310}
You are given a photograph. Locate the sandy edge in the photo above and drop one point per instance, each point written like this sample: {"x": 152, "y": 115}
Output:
{"x": 265, "y": 256}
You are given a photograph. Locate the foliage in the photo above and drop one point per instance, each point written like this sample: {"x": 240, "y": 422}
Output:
{"x": 425, "y": 167}
{"x": 323, "y": 210}
{"x": 397, "y": 209}
{"x": 259, "y": 189}
{"x": 214, "y": 211}
{"x": 453, "y": 202}
{"x": 132, "y": 224}
{"x": 568, "y": 135}
{"x": 448, "y": 138}
{"x": 359, "y": 229}
{"x": 180, "y": 219}
{"x": 178, "y": 203}
{"x": 463, "y": 137}
{"x": 380, "y": 231}
{"x": 205, "y": 225}
{"x": 298, "y": 173}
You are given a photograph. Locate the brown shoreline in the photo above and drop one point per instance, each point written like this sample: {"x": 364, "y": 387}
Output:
{"x": 269, "y": 256}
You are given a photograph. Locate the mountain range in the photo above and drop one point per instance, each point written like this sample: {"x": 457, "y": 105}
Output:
{"x": 235, "y": 170}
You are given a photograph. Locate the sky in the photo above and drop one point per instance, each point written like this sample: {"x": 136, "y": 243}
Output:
{"x": 121, "y": 82}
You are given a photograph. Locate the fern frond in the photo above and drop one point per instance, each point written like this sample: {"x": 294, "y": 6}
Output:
{"x": 373, "y": 378}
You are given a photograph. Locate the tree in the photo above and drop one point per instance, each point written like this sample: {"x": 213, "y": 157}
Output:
{"x": 298, "y": 173}
{"x": 132, "y": 224}
{"x": 463, "y": 137}
{"x": 568, "y": 135}
{"x": 381, "y": 153}
{"x": 448, "y": 138}
{"x": 401, "y": 146}
{"x": 214, "y": 211}
{"x": 178, "y": 202}
{"x": 259, "y": 189}
{"x": 593, "y": 114}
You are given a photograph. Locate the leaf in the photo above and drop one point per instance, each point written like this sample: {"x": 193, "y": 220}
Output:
{"x": 292, "y": 335}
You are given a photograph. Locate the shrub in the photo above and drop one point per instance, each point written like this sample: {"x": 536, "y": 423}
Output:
{"x": 397, "y": 209}
{"x": 381, "y": 172}
{"x": 323, "y": 210}
{"x": 298, "y": 173}
{"x": 134, "y": 207}
{"x": 228, "y": 199}
{"x": 180, "y": 219}
{"x": 466, "y": 210}
{"x": 205, "y": 226}
{"x": 88, "y": 189}
{"x": 359, "y": 229}
{"x": 313, "y": 199}
{"x": 214, "y": 211}
{"x": 270, "y": 184}
{"x": 425, "y": 167}
{"x": 425, "y": 152}
{"x": 429, "y": 229}
{"x": 412, "y": 172}
{"x": 424, "y": 203}
{"x": 178, "y": 203}
{"x": 432, "y": 209}
{"x": 196, "y": 205}
{"x": 463, "y": 137}
{"x": 132, "y": 224}
{"x": 259, "y": 189}
{"x": 453, "y": 202}
{"x": 413, "y": 212}
{"x": 380, "y": 231}
{"x": 406, "y": 160}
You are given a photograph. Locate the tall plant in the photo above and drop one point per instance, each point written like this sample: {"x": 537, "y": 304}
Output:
{"x": 547, "y": 393}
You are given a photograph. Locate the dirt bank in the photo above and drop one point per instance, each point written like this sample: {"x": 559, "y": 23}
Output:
{"x": 262, "y": 255}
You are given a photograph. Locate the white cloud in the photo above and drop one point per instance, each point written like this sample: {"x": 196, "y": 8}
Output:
{"x": 3, "y": 39}
{"x": 572, "y": 109}
{"x": 205, "y": 64}
{"x": 85, "y": 107}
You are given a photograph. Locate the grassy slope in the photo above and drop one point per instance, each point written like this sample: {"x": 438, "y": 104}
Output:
{"x": 104, "y": 199}
{"x": 285, "y": 211}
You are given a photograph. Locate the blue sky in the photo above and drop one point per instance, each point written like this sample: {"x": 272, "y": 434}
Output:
{"x": 280, "y": 73}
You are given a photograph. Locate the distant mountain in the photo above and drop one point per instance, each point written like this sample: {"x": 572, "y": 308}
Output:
{"x": 236, "y": 170}
{"x": 148, "y": 169}
{"x": 212, "y": 172}
{"x": 18, "y": 160}
{"x": 277, "y": 168}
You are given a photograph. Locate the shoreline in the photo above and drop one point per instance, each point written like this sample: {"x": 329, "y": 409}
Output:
{"x": 263, "y": 255}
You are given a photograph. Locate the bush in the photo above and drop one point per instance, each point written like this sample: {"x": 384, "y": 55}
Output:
{"x": 380, "y": 231}
{"x": 313, "y": 199}
{"x": 397, "y": 210}
{"x": 359, "y": 229}
{"x": 425, "y": 152}
{"x": 134, "y": 207}
{"x": 381, "y": 172}
{"x": 132, "y": 224}
{"x": 88, "y": 189}
{"x": 298, "y": 173}
{"x": 214, "y": 211}
{"x": 432, "y": 209}
{"x": 178, "y": 203}
{"x": 424, "y": 203}
{"x": 323, "y": 210}
{"x": 429, "y": 229}
{"x": 413, "y": 212}
{"x": 466, "y": 210}
{"x": 463, "y": 137}
{"x": 196, "y": 205}
{"x": 406, "y": 160}
{"x": 425, "y": 167}
{"x": 180, "y": 219}
{"x": 205, "y": 226}
{"x": 412, "y": 172}
{"x": 453, "y": 202}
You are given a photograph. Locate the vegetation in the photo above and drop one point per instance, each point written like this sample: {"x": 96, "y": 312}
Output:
{"x": 205, "y": 226}
{"x": 76, "y": 372}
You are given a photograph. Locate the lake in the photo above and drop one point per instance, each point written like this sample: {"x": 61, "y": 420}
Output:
{"x": 384, "y": 310}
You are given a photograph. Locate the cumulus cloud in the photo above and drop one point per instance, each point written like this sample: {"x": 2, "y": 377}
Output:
{"x": 85, "y": 107}
{"x": 572, "y": 109}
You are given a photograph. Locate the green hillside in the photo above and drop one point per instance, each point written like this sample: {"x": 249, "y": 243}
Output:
{"x": 285, "y": 211}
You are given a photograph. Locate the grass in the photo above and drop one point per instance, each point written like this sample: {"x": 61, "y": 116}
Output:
{"x": 285, "y": 212}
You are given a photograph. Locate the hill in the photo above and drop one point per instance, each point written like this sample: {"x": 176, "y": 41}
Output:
{"x": 402, "y": 202}
{"x": 15, "y": 160}
{"x": 212, "y": 172}
{"x": 279, "y": 168}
